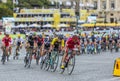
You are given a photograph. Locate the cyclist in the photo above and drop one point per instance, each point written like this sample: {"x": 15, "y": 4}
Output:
{"x": 47, "y": 42}
{"x": 6, "y": 43}
{"x": 57, "y": 43}
{"x": 31, "y": 44}
{"x": 71, "y": 43}
{"x": 40, "y": 43}
{"x": 19, "y": 42}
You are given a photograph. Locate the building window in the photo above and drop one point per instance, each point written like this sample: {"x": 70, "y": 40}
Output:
{"x": 112, "y": 20}
{"x": 104, "y": 4}
{"x": 95, "y": 4}
{"x": 112, "y": 4}
{"x": 111, "y": 14}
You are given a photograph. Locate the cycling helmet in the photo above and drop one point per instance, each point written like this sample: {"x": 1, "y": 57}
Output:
{"x": 18, "y": 35}
{"x": 75, "y": 37}
{"x": 7, "y": 33}
{"x": 60, "y": 37}
{"x": 40, "y": 36}
{"x": 31, "y": 34}
{"x": 34, "y": 34}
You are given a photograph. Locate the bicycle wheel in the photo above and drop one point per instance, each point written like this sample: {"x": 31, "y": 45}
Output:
{"x": 70, "y": 65}
{"x": 41, "y": 62}
{"x": 29, "y": 60}
{"x": 3, "y": 58}
{"x": 26, "y": 60}
{"x": 54, "y": 60}
{"x": 61, "y": 70}
{"x": 37, "y": 57}
{"x": 46, "y": 62}
{"x": 14, "y": 55}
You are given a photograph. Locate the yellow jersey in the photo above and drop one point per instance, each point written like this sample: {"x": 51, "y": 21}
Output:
{"x": 56, "y": 40}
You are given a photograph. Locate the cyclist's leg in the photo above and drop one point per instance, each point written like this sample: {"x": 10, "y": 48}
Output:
{"x": 42, "y": 47}
{"x": 3, "y": 49}
{"x": 10, "y": 49}
{"x": 63, "y": 58}
{"x": 31, "y": 53}
{"x": 7, "y": 52}
{"x": 17, "y": 49}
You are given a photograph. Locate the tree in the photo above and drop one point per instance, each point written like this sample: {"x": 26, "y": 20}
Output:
{"x": 5, "y": 11}
{"x": 33, "y": 3}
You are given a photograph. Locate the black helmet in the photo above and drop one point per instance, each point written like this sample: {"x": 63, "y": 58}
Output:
{"x": 31, "y": 34}
{"x": 60, "y": 37}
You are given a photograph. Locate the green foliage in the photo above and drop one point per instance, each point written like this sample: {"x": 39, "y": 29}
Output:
{"x": 6, "y": 9}
{"x": 32, "y": 3}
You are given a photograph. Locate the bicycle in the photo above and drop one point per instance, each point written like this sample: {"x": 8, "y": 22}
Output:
{"x": 4, "y": 56}
{"x": 69, "y": 61}
{"x": 51, "y": 61}
{"x": 37, "y": 55}
{"x": 28, "y": 57}
{"x": 16, "y": 53}
{"x": 45, "y": 61}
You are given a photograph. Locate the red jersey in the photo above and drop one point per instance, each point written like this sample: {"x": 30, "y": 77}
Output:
{"x": 6, "y": 41}
{"x": 70, "y": 43}
{"x": 40, "y": 40}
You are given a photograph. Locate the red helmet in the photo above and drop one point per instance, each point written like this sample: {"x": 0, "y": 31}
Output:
{"x": 75, "y": 37}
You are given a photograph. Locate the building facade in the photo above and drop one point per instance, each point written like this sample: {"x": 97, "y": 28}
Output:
{"x": 107, "y": 10}
{"x": 43, "y": 17}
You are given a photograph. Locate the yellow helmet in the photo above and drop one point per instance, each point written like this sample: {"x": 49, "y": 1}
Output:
{"x": 18, "y": 35}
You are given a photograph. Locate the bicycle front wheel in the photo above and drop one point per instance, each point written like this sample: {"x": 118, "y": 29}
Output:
{"x": 55, "y": 60}
{"x": 46, "y": 62}
{"x": 3, "y": 59}
{"x": 71, "y": 64}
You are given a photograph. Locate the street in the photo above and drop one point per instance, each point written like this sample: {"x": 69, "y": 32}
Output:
{"x": 97, "y": 67}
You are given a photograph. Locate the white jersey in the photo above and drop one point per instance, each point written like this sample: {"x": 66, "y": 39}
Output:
{"x": 19, "y": 40}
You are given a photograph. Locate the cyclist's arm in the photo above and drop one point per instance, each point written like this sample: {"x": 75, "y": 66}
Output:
{"x": 62, "y": 43}
{"x": 43, "y": 44}
{"x": 52, "y": 43}
{"x": 27, "y": 44}
{"x": 3, "y": 40}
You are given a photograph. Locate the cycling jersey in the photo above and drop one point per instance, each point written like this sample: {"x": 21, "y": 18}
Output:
{"x": 19, "y": 41}
{"x": 70, "y": 43}
{"x": 40, "y": 41}
{"x": 31, "y": 41}
{"x": 56, "y": 43}
{"x": 6, "y": 41}
{"x": 47, "y": 43}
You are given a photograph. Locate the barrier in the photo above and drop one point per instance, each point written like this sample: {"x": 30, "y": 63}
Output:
{"x": 116, "y": 70}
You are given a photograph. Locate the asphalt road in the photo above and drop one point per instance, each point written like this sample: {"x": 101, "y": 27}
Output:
{"x": 88, "y": 67}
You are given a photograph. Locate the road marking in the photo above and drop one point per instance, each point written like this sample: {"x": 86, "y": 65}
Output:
{"x": 112, "y": 79}
{"x": 96, "y": 62}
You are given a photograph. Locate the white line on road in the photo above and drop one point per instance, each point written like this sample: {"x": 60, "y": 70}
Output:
{"x": 112, "y": 79}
